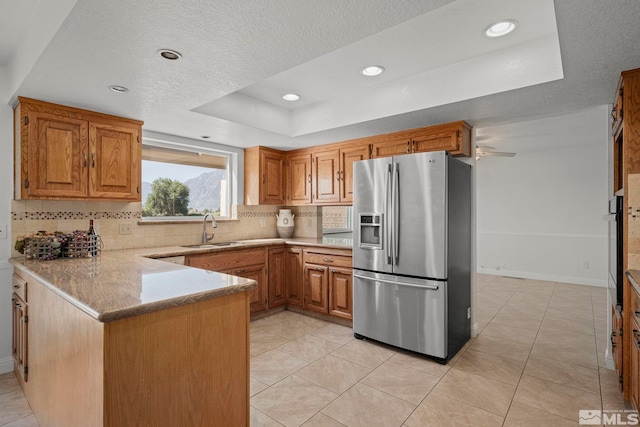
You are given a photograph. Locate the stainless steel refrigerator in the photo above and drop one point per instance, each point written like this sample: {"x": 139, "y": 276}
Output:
{"x": 412, "y": 252}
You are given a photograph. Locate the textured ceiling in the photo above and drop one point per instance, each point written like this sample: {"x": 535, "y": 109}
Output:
{"x": 233, "y": 47}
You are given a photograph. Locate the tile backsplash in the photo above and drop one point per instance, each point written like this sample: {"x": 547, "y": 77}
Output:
{"x": 253, "y": 222}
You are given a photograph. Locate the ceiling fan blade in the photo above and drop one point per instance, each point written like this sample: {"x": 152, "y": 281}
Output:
{"x": 495, "y": 154}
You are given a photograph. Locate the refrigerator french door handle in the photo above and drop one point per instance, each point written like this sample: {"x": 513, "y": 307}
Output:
{"x": 387, "y": 221}
{"x": 396, "y": 213}
{"x": 392, "y": 282}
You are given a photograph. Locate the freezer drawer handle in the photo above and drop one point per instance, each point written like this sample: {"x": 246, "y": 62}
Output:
{"x": 391, "y": 282}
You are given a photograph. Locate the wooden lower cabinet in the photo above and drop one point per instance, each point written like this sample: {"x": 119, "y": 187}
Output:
{"x": 314, "y": 279}
{"x": 316, "y": 288}
{"x": 20, "y": 337}
{"x": 617, "y": 341}
{"x": 258, "y": 298}
{"x": 341, "y": 292}
{"x": 635, "y": 363}
{"x": 277, "y": 277}
{"x": 185, "y": 365}
{"x": 20, "y": 328}
{"x": 328, "y": 282}
{"x": 247, "y": 263}
{"x": 294, "y": 277}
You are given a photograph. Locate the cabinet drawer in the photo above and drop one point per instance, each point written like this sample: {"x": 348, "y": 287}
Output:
{"x": 20, "y": 287}
{"x": 227, "y": 260}
{"x": 327, "y": 259}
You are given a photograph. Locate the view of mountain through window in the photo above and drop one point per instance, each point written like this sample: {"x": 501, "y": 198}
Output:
{"x": 171, "y": 189}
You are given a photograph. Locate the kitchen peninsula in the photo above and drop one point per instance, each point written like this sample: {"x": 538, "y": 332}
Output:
{"x": 127, "y": 338}
{"x": 121, "y": 339}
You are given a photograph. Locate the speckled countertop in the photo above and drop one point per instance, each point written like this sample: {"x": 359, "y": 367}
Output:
{"x": 634, "y": 279}
{"x": 125, "y": 283}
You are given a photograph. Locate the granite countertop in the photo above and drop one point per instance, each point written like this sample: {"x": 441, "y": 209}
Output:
{"x": 125, "y": 283}
{"x": 634, "y": 279}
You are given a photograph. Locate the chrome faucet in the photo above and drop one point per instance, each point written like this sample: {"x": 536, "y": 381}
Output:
{"x": 214, "y": 224}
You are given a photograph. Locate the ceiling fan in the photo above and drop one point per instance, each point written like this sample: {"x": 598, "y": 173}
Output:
{"x": 487, "y": 151}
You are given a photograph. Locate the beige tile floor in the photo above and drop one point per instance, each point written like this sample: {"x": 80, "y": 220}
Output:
{"x": 537, "y": 360}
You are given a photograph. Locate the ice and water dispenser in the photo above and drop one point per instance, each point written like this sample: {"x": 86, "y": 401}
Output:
{"x": 370, "y": 231}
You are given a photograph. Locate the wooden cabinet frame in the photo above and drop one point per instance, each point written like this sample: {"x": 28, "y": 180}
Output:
{"x": 264, "y": 176}
{"x": 248, "y": 263}
{"x": 69, "y": 153}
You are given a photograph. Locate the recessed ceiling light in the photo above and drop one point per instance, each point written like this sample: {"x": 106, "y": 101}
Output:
{"x": 291, "y": 97}
{"x": 169, "y": 54}
{"x": 206, "y": 136}
{"x": 501, "y": 28}
{"x": 119, "y": 89}
{"x": 372, "y": 70}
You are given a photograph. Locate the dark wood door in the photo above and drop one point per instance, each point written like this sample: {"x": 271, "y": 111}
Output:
{"x": 340, "y": 292}
{"x": 58, "y": 156}
{"x": 277, "y": 282}
{"x": 347, "y": 157}
{"x": 299, "y": 179}
{"x": 326, "y": 175}
{"x": 316, "y": 288}
{"x": 114, "y": 161}
{"x": 272, "y": 184}
{"x": 295, "y": 276}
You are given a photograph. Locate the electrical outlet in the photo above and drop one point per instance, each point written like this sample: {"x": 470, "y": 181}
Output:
{"x": 585, "y": 265}
{"x": 263, "y": 222}
{"x": 3, "y": 231}
{"x": 125, "y": 228}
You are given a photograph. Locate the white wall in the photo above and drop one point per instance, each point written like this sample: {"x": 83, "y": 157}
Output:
{"x": 540, "y": 213}
{"x": 6, "y": 194}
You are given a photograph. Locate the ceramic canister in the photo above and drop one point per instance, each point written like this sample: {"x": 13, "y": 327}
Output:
{"x": 285, "y": 223}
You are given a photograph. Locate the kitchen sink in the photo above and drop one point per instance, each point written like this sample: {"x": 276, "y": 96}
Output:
{"x": 211, "y": 245}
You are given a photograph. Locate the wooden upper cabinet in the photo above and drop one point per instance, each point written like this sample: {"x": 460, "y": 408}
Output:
{"x": 69, "y": 153}
{"x": 323, "y": 175}
{"x": 264, "y": 176}
{"x": 347, "y": 157}
{"x": 394, "y": 145}
{"x": 114, "y": 163}
{"x": 453, "y": 137}
{"x": 298, "y": 179}
{"x": 57, "y": 156}
{"x": 326, "y": 176}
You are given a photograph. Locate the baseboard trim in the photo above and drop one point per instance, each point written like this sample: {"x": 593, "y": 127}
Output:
{"x": 548, "y": 277}
{"x": 608, "y": 360}
{"x": 6, "y": 365}
{"x": 474, "y": 329}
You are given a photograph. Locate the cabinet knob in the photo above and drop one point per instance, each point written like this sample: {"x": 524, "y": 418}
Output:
{"x": 18, "y": 287}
